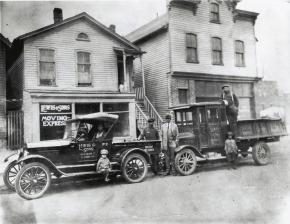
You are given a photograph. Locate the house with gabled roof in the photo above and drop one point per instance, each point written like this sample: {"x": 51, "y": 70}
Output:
{"x": 72, "y": 67}
{"x": 196, "y": 48}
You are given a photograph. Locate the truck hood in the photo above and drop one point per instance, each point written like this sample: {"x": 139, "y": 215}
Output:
{"x": 49, "y": 143}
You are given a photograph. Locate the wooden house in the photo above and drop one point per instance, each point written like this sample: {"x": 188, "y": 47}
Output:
{"x": 195, "y": 48}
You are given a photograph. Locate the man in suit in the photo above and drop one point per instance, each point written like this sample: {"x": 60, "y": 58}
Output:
{"x": 169, "y": 135}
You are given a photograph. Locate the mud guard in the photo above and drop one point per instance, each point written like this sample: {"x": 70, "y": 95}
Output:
{"x": 134, "y": 150}
{"x": 41, "y": 159}
{"x": 196, "y": 152}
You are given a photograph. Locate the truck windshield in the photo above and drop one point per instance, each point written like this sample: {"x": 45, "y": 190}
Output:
{"x": 71, "y": 129}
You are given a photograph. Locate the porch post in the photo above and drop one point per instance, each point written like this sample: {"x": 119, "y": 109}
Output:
{"x": 125, "y": 72}
{"x": 143, "y": 76}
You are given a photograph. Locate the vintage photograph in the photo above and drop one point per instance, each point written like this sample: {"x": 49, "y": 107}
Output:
{"x": 145, "y": 111}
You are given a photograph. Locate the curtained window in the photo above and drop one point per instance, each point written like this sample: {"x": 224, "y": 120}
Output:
{"x": 214, "y": 13}
{"x": 217, "y": 53}
{"x": 84, "y": 68}
{"x": 239, "y": 53}
{"x": 191, "y": 48}
{"x": 46, "y": 67}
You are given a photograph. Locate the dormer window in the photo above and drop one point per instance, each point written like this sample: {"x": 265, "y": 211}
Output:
{"x": 83, "y": 37}
{"x": 214, "y": 13}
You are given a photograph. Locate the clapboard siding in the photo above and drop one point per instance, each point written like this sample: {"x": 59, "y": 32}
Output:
{"x": 63, "y": 41}
{"x": 156, "y": 67}
{"x": 183, "y": 21}
{"x": 2, "y": 94}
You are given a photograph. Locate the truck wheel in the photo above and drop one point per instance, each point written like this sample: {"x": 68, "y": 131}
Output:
{"x": 185, "y": 162}
{"x": 33, "y": 180}
{"x": 10, "y": 174}
{"x": 261, "y": 153}
{"x": 135, "y": 168}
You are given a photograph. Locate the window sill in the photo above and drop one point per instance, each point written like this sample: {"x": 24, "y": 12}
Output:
{"x": 222, "y": 64}
{"x": 84, "y": 85}
{"x": 193, "y": 62}
{"x": 47, "y": 85}
{"x": 215, "y": 21}
{"x": 240, "y": 66}
{"x": 80, "y": 39}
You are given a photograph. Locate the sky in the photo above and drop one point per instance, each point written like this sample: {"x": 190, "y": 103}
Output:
{"x": 272, "y": 26}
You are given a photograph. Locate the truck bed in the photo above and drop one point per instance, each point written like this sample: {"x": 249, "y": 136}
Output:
{"x": 260, "y": 128}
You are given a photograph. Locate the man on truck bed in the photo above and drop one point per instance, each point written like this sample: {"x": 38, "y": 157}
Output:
{"x": 232, "y": 107}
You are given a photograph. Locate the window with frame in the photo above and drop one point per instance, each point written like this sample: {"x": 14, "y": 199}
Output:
{"x": 214, "y": 13}
{"x": 83, "y": 36}
{"x": 47, "y": 67}
{"x": 191, "y": 48}
{"x": 84, "y": 68}
{"x": 217, "y": 52}
{"x": 182, "y": 96}
{"x": 239, "y": 53}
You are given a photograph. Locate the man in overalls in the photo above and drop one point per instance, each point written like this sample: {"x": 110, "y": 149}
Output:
{"x": 232, "y": 108}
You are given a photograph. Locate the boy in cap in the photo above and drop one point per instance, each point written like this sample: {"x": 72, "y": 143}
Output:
{"x": 104, "y": 165}
{"x": 231, "y": 150}
{"x": 169, "y": 134}
{"x": 232, "y": 107}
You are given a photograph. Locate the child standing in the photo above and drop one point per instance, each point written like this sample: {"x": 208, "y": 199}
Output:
{"x": 104, "y": 165}
{"x": 231, "y": 150}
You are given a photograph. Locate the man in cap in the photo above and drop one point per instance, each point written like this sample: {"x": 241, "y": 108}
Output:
{"x": 169, "y": 134}
{"x": 149, "y": 133}
{"x": 232, "y": 107}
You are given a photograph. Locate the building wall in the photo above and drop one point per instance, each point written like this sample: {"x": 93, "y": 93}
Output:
{"x": 2, "y": 95}
{"x": 183, "y": 21}
{"x": 63, "y": 41}
{"x": 156, "y": 69}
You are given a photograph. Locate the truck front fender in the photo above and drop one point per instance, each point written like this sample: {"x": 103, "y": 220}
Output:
{"x": 196, "y": 152}
{"x": 12, "y": 157}
{"x": 134, "y": 150}
{"x": 41, "y": 159}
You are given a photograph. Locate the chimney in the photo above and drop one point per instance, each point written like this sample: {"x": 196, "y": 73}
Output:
{"x": 57, "y": 15}
{"x": 112, "y": 27}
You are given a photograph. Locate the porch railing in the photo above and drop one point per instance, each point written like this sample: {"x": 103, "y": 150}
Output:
{"x": 148, "y": 107}
{"x": 141, "y": 117}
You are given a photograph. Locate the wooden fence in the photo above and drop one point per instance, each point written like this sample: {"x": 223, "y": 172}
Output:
{"x": 15, "y": 129}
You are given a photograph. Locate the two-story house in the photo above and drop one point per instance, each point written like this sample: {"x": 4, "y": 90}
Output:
{"x": 4, "y": 46}
{"x": 71, "y": 67}
{"x": 195, "y": 48}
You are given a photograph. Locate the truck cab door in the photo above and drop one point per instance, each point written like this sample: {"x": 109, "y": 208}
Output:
{"x": 213, "y": 118}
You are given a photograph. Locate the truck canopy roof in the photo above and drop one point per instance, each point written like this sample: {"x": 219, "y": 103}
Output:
{"x": 187, "y": 106}
{"x": 100, "y": 116}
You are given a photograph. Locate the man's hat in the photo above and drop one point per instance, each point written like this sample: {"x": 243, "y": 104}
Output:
{"x": 167, "y": 116}
{"x": 104, "y": 152}
{"x": 226, "y": 85}
{"x": 151, "y": 119}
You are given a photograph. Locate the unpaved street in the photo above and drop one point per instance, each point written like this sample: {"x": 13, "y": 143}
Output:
{"x": 214, "y": 194}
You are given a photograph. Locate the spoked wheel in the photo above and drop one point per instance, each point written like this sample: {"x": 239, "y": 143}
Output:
{"x": 10, "y": 173}
{"x": 33, "y": 180}
{"x": 135, "y": 168}
{"x": 185, "y": 162}
{"x": 261, "y": 153}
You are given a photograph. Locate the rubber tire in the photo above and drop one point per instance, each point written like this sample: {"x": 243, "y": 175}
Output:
{"x": 6, "y": 175}
{"x": 255, "y": 155}
{"x": 177, "y": 158}
{"x": 22, "y": 171}
{"x": 127, "y": 159}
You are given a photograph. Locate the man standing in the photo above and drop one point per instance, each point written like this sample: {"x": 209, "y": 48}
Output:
{"x": 149, "y": 133}
{"x": 232, "y": 108}
{"x": 169, "y": 134}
